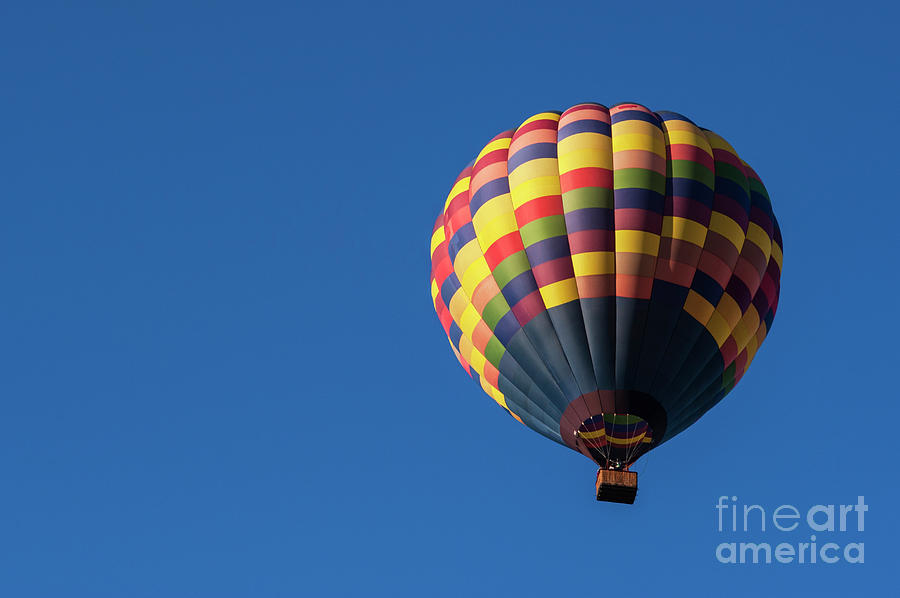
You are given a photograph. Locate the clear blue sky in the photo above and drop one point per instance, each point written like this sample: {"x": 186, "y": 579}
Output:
{"x": 220, "y": 372}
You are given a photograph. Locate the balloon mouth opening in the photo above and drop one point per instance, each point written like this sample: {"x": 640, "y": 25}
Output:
{"x": 614, "y": 440}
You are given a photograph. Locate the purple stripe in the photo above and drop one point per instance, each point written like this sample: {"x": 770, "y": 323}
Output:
{"x": 531, "y": 152}
{"x": 739, "y": 292}
{"x": 587, "y": 125}
{"x": 548, "y": 249}
{"x": 519, "y": 287}
{"x": 487, "y": 192}
{"x": 758, "y": 216}
{"x": 688, "y": 207}
{"x": 506, "y": 328}
{"x": 643, "y": 199}
{"x": 589, "y": 219}
{"x": 625, "y": 115}
{"x": 465, "y": 234}
{"x": 727, "y": 205}
{"x": 449, "y": 288}
{"x": 689, "y": 188}
{"x": 726, "y": 186}
{"x": 666, "y": 115}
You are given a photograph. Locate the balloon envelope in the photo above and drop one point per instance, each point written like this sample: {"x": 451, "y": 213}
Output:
{"x": 606, "y": 275}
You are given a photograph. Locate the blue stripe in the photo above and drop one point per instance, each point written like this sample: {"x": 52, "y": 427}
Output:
{"x": 589, "y": 219}
{"x": 455, "y": 334}
{"x": 642, "y": 199}
{"x": 519, "y": 287}
{"x": 449, "y": 288}
{"x": 530, "y": 152}
{"x": 487, "y": 192}
{"x": 667, "y": 115}
{"x": 725, "y": 186}
{"x": 506, "y": 328}
{"x": 683, "y": 187}
{"x": 588, "y": 125}
{"x": 707, "y": 287}
{"x": 634, "y": 115}
{"x": 548, "y": 249}
{"x": 739, "y": 292}
{"x": 459, "y": 239}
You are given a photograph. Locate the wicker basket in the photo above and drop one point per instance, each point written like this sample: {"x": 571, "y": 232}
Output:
{"x": 616, "y": 486}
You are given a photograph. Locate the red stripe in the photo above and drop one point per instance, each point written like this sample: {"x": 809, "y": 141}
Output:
{"x": 723, "y": 155}
{"x": 675, "y": 272}
{"x": 638, "y": 219}
{"x": 586, "y": 177}
{"x": 502, "y": 248}
{"x": 553, "y": 271}
{"x": 591, "y": 240}
{"x": 715, "y": 268}
{"x": 692, "y": 153}
{"x": 528, "y": 307}
{"x": 729, "y": 350}
{"x": 543, "y": 123}
{"x": 499, "y": 155}
{"x": 540, "y": 207}
{"x": 636, "y": 287}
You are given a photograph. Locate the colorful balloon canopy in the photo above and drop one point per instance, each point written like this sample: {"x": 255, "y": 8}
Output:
{"x": 607, "y": 274}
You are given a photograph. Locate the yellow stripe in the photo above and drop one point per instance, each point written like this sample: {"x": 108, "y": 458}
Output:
{"x": 492, "y": 208}
{"x": 529, "y": 189}
{"x": 475, "y": 273}
{"x": 777, "y": 255}
{"x": 719, "y": 328}
{"x": 730, "y": 311}
{"x": 684, "y": 229}
{"x": 495, "y": 394}
{"x": 457, "y": 305}
{"x": 464, "y": 258}
{"x": 539, "y": 167}
{"x": 728, "y": 228}
{"x": 746, "y": 328}
{"x": 688, "y": 138}
{"x": 586, "y": 140}
{"x": 502, "y": 143}
{"x": 585, "y": 158}
{"x": 760, "y": 238}
{"x": 437, "y": 238}
{"x": 541, "y": 116}
{"x": 559, "y": 292}
{"x": 717, "y": 142}
{"x": 593, "y": 434}
{"x": 655, "y": 144}
{"x": 594, "y": 262}
{"x": 460, "y": 186}
{"x": 489, "y": 232}
{"x": 698, "y": 307}
{"x": 635, "y": 127}
{"x": 625, "y": 441}
{"x": 637, "y": 241}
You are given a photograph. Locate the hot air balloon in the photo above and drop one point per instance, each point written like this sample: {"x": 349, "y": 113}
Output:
{"x": 607, "y": 275}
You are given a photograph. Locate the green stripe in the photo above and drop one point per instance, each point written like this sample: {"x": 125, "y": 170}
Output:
{"x": 543, "y": 228}
{"x": 639, "y": 178}
{"x": 587, "y": 197}
{"x": 688, "y": 169}
{"x": 495, "y": 309}
{"x": 728, "y": 171}
{"x": 758, "y": 187}
{"x": 728, "y": 375}
{"x": 510, "y": 267}
{"x": 494, "y": 351}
